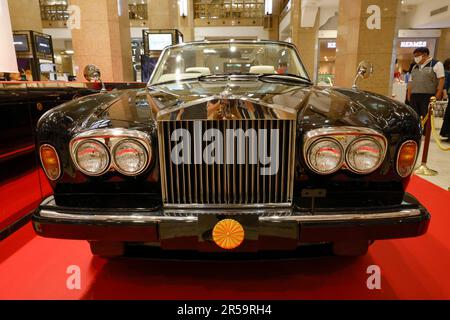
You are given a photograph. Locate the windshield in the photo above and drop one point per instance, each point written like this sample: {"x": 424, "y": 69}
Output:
{"x": 192, "y": 61}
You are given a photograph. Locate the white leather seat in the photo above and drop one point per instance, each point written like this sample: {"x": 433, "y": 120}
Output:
{"x": 262, "y": 69}
{"x": 177, "y": 76}
{"x": 204, "y": 71}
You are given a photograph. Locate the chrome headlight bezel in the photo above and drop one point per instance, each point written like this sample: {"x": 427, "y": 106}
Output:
{"x": 110, "y": 138}
{"x": 310, "y": 155}
{"x": 146, "y": 153}
{"x": 352, "y": 166}
{"x": 102, "y": 146}
{"x": 346, "y": 136}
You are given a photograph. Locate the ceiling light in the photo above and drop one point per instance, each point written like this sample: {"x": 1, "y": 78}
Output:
{"x": 268, "y": 7}
{"x": 183, "y": 4}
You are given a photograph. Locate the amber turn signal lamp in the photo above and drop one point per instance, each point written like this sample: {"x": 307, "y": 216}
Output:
{"x": 406, "y": 159}
{"x": 50, "y": 161}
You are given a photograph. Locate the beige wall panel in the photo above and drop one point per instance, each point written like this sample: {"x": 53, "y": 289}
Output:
{"x": 356, "y": 42}
{"x": 25, "y": 15}
{"x": 103, "y": 39}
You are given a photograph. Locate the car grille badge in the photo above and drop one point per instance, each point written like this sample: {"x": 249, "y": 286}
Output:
{"x": 228, "y": 234}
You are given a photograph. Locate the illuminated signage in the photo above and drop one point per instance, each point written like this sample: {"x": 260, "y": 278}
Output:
{"x": 158, "y": 41}
{"x": 413, "y": 44}
{"x": 21, "y": 43}
{"x": 137, "y": 48}
{"x": 331, "y": 45}
{"x": 43, "y": 45}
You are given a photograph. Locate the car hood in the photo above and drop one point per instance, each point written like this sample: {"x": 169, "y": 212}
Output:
{"x": 312, "y": 106}
{"x": 118, "y": 108}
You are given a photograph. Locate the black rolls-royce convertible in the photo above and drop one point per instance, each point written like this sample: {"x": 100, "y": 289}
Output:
{"x": 230, "y": 148}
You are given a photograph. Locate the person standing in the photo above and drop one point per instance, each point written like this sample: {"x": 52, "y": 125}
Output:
{"x": 445, "y": 130}
{"x": 427, "y": 80}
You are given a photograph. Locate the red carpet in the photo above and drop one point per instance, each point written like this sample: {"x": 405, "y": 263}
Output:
{"x": 411, "y": 269}
{"x": 21, "y": 195}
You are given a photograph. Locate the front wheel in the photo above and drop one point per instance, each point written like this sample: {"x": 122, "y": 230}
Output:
{"x": 107, "y": 250}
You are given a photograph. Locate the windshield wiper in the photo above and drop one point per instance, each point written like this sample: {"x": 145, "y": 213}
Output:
{"x": 199, "y": 77}
{"x": 288, "y": 77}
{"x": 213, "y": 77}
{"x": 224, "y": 76}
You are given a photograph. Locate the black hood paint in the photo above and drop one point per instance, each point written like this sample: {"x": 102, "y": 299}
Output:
{"x": 316, "y": 106}
{"x": 121, "y": 108}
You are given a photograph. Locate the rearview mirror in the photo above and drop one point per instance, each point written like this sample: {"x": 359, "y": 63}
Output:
{"x": 365, "y": 70}
{"x": 92, "y": 74}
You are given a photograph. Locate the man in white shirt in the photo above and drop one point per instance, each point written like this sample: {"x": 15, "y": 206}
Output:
{"x": 427, "y": 80}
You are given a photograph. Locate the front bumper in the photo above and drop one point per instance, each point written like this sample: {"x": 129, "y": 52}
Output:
{"x": 266, "y": 228}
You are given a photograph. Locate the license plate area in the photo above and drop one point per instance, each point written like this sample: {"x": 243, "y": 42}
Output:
{"x": 207, "y": 222}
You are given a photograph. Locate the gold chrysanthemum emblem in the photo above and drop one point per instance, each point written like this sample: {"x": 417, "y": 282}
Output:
{"x": 228, "y": 234}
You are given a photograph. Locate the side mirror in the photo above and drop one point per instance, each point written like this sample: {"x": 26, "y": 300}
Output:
{"x": 365, "y": 70}
{"x": 92, "y": 74}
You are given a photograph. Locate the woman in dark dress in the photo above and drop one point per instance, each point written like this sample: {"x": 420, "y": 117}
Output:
{"x": 445, "y": 131}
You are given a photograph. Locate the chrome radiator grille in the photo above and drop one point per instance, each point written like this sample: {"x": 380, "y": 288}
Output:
{"x": 234, "y": 177}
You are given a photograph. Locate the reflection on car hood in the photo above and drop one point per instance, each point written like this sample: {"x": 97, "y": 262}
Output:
{"x": 314, "y": 107}
{"x": 118, "y": 108}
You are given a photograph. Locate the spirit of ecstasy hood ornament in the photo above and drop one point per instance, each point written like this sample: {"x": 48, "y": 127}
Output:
{"x": 220, "y": 110}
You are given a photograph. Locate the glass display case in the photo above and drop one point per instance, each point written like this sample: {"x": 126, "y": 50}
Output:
{"x": 34, "y": 53}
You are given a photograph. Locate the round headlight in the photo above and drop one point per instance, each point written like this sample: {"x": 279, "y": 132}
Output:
{"x": 130, "y": 157}
{"x": 364, "y": 155}
{"x": 325, "y": 156}
{"x": 92, "y": 157}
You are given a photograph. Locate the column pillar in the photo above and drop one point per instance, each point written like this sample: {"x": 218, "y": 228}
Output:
{"x": 305, "y": 34}
{"x": 367, "y": 30}
{"x": 103, "y": 39}
{"x": 443, "y": 51}
{"x": 162, "y": 14}
{"x": 166, "y": 15}
{"x": 274, "y": 32}
{"x": 25, "y": 15}
{"x": 186, "y": 24}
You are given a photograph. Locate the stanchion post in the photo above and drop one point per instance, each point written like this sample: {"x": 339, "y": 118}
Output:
{"x": 423, "y": 169}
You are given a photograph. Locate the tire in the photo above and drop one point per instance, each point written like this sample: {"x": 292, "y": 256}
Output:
{"x": 107, "y": 250}
{"x": 351, "y": 248}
